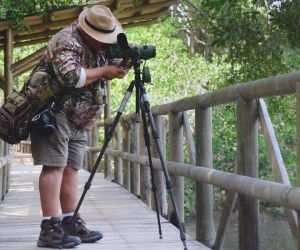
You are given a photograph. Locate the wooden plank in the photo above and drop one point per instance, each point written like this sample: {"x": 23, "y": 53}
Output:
{"x": 277, "y": 163}
{"x": 125, "y": 221}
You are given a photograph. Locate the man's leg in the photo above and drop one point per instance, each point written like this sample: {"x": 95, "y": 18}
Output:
{"x": 68, "y": 191}
{"x": 68, "y": 199}
{"x": 52, "y": 233}
{"x": 50, "y": 186}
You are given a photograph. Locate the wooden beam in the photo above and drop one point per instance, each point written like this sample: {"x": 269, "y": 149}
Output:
{"x": 277, "y": 164}
{"x": 26, "y": 67}
{"x": 48, "y": 26}
{"x": 273, "y": 86}
{"x": 224, "y": 219}
{"x": 17, "y": 66}
{"x": 138, "y": 24}
{"x": 32, "y": 42}
{"x": 142, "y": 18}
{"x": 269, "y": 191}
{"x": 32, "y": 36}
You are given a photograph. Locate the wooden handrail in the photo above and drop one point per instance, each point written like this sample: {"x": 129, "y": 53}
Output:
{"x": 274, "y": 192}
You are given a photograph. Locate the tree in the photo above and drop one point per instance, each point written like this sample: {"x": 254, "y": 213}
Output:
{"x": 251, "y": 35}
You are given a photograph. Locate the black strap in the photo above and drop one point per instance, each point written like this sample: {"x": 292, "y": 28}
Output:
{"x": 99, "y": 29}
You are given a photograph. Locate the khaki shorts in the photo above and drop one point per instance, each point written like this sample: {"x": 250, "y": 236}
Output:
{"x": 65, "y": 147}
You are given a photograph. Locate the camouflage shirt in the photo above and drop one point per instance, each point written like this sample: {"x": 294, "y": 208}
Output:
{"x": 59, "y": 71}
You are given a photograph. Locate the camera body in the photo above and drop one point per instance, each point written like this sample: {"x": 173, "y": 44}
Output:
{"x": 45, "y": 122}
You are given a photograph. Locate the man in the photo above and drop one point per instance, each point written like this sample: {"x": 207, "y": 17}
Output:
{"x": 74, "y": 69}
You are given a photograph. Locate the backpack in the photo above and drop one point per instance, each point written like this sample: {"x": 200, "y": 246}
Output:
{"x": 15, "y": 117}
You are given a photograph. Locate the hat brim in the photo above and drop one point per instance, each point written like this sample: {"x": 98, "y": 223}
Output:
{"x": 109, "y": 38}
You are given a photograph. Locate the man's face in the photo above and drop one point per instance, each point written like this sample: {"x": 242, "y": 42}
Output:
{"x": 91, "y": 42}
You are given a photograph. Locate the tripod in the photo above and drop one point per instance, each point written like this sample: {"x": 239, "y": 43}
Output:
{"x": 141, "y": 98}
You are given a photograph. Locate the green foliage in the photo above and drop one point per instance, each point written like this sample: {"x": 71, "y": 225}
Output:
{"x": 242, "y": 32}
{"x": 286, "y": 16}
{"x": 16, "y": 10}
{"x": 172, "y": 70}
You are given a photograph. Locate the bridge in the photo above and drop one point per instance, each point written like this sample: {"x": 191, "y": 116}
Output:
{"x": 126, "y": 181}
{"x": 126, "y": 164}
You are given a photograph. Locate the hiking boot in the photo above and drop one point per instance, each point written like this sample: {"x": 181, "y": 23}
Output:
{"x": 53, "y": 235}
{"x": 79, "y": 229}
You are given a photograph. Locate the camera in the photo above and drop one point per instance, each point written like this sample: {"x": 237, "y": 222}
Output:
{"x": 44, "y": 121}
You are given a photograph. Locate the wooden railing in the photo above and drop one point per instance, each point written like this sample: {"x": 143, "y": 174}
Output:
{"x": 5, "y": 163}
{"x": 127, "y": 164}
{"x": 130, "y": 166}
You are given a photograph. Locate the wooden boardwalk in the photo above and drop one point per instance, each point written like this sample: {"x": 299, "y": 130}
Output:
{"x": 125, "y": 221}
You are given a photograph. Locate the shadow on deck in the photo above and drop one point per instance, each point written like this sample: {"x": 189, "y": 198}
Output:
{"x": 125, "y": 221}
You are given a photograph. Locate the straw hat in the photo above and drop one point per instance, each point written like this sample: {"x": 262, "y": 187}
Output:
{"x": 99, "y": 23}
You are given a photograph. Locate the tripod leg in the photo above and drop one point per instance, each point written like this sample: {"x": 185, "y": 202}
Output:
{"x": 102, "y": 151}
{"x": 147, "y": 143}
{"x": 146, "y": 104}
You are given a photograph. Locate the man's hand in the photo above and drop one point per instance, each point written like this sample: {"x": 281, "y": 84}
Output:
{"x": 107, "y": 72}
{"x": 110, "y": 72}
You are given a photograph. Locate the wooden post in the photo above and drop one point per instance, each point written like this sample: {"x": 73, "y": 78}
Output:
{"x": 87, "y": 163}
{"x": 135, "y": 169}
{"x": 247, "y": 164}
{"x": 94, "y": 143}
{"x": 145, "y": 172}
{"x": 2, "y": 190}
{"x": 8, "y": 61}
{"x": 159, "y": 178}
{"x": 126, "y": 148}
{"x": 8, "y": 87}
{"x": 176, "y": 154}
{"x": 6, "y": 173}
{"x": 108, "y": 171}
{"x": 205, "y": 229}
{"x": 298, "y": 155}
{"x": 118, "y": 161}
